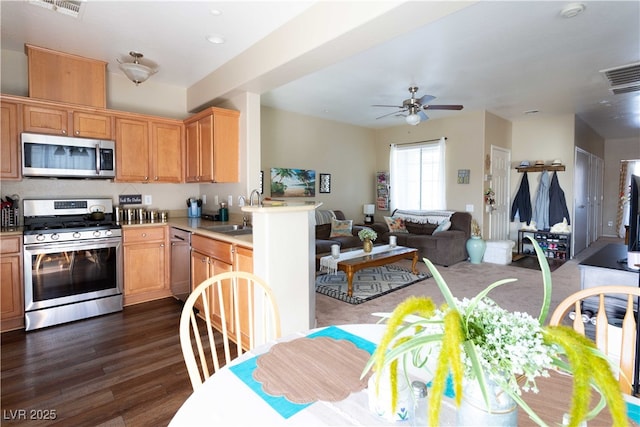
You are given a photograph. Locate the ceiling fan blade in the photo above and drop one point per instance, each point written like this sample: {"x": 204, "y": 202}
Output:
{"x": 394, "y": 106}
{"x": 425, "y": 99}
{"x": 385, "y": 115}
{"x": 422, "y": 116}
{"x": 442, "y": 107}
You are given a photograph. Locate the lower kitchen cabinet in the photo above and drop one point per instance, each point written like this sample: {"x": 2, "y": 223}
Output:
{"x": 11, "y": 284}
{"x": 146, "y": 268}
{"x": 210, "y": 257}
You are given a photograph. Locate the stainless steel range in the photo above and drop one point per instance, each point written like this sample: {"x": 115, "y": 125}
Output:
{"x": 72, "y": 260}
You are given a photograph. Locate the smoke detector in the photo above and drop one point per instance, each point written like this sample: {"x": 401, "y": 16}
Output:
{"x": 572, "y": 9}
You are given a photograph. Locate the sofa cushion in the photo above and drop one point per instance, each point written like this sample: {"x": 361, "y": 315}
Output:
{"x": 395, "y": 224}
{"x": 443, "y": 226}
{"x": 341, "y": 228}
{"x": 420, "y": 228}
{"x": 324, "y": 216}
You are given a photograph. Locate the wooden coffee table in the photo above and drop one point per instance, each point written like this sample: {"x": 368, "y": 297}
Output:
{"x": 350, "y": 266}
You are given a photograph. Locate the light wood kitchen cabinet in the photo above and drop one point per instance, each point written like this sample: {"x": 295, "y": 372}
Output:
{"x": 51, "y": 120}
{"x": 57, "y": 120}
{"x": 59, "y": 76}
{"x": 11, "y": 284}
{"x": 92, "y": 125}
{"x": 148, "y": 151}
{"x": 132, "y": 150}
{"x": 243, "y": 259}
{"x": 212, "y": 147}
{"x": 10, "y": 140}
{"x": 167, "y": 150}
{"x": 208, "y": 258}
{"x": 146, "y": 269}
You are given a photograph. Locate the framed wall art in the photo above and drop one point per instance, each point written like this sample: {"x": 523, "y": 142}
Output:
{"x": 286, "y": 182}
{"x": 325, "y": 183}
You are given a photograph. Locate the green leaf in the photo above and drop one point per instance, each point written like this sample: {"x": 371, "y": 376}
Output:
{"x": 546, "y": 280}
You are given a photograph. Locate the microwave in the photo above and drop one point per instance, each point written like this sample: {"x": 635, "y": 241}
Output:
{"x": 52, "y": 156}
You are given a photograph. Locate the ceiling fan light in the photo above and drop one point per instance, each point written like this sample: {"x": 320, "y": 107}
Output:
{"x": 413, "y": 119}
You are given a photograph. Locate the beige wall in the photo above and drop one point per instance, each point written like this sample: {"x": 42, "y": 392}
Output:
{"x": 464, "y": 150}
{"x": 291, "y": 140}
{"x": 615, "y": 150}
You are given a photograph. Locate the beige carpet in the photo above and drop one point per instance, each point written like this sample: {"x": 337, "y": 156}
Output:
{"x": 466, "y": 280}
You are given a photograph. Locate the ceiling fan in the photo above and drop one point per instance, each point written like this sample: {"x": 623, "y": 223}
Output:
{"x": 413, "y": 108}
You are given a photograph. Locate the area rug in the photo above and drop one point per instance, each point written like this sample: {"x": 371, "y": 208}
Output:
{"x": 368, "y": 283}
{"x": 531, "y": 262}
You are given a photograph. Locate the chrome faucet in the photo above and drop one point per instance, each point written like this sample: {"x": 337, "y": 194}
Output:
{"x": 257, "y": 193}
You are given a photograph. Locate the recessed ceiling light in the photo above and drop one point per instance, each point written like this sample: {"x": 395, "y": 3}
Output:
{"x": 216, "y": 39}
{"x": 572, "y": 9}
{"x": 216, "y": 12}
{"x": 531, "y": 111}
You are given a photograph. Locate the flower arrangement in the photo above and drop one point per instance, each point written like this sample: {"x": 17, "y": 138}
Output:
{"x": 490, "y": 197}
{"x": 475, "y": 228}
{"x": 367, "y": 233}
{"x": 477, "y": 340}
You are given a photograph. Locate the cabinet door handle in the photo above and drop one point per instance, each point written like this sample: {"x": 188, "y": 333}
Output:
{"x": 144, "y": 234}
{"x": 162, "y": 245}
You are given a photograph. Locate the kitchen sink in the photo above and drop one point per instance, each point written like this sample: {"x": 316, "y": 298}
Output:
{"x": 230, "y": 229}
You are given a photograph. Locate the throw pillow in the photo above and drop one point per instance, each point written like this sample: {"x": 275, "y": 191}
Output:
{"x": 396, "y": 225}
{"x": 340, "y": 227}
{"x": 443, "y": 226}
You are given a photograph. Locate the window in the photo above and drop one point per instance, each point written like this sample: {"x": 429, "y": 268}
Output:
{"x": 418, "y": 175}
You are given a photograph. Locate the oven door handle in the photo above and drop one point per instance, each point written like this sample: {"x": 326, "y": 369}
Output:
{"x": 73, "y": 245}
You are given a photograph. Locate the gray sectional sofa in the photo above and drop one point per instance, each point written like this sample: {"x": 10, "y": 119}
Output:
{"x": 443, "y": 248}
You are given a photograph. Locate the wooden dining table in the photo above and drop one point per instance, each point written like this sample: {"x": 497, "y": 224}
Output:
{"x": 313, "y": 378}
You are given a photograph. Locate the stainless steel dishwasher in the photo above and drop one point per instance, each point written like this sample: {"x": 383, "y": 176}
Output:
{"x": 180, "y": 263}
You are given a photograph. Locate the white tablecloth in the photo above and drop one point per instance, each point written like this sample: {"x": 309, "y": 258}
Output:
{"x": 226, "y": 400}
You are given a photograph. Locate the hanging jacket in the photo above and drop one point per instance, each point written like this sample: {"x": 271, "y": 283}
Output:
{"x": 557, "y": 203}
{"x": 522, "y": 202}
{"x": 541, "y": 204}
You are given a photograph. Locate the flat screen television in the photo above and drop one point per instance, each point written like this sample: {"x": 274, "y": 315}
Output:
{"x": 633, "y": 247}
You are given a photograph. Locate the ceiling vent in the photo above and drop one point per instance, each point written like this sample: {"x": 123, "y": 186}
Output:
{"x": 66, "y": 7}
{"x": 623, "y": 79}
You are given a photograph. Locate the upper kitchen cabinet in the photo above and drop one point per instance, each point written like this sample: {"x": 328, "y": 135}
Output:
{"x": 63, "y": 77}
{"x": 212, "y": 145}
{"x": 149, "y": 150}
{"x": 9, "y": 142}
{"x": 57, "y": 120}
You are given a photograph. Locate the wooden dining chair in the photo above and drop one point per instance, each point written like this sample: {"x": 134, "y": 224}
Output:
{"x": 628, "y": 342}
{"x": 240, "y": 307}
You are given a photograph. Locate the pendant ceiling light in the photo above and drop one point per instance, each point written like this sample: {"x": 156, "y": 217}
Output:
{"x": 135, "y": 71}
{"x": 413, "y": 118}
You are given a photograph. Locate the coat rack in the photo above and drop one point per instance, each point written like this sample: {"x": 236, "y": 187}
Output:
{"x": 558, "y": 168}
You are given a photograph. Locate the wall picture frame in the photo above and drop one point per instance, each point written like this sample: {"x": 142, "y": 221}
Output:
{"x": 325, "y": 183}
{"x": 463, "y": 176}
{"x": 288, "y": 182}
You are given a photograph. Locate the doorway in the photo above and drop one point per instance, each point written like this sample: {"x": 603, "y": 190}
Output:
{"x": 499, "y": 183}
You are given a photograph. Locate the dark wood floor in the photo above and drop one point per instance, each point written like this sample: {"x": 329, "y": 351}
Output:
{"x": 120, "y": 369}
